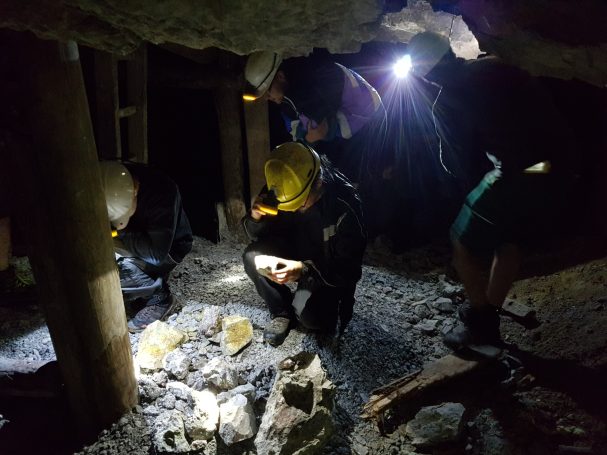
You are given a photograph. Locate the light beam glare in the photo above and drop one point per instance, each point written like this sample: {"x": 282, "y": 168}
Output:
{"x": 402, "y": 66}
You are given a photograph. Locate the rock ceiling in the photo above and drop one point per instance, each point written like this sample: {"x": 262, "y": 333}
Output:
{"x": 559, "y": 38}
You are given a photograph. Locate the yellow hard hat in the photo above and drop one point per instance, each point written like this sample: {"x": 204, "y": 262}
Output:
{"x": 290, "y": 172}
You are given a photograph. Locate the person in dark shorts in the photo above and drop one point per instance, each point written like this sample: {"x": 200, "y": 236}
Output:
{"x": 501, "y": 113}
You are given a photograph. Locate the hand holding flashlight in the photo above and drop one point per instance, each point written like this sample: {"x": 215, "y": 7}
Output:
{"x": 264, "y": 204}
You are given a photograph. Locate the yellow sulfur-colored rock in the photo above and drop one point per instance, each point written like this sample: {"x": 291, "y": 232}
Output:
{"x": 237, "y": 333}
{"x": 157, "y": 340}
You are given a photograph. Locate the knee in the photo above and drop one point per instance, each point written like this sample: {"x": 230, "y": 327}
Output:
{"x": 248, "y": 258}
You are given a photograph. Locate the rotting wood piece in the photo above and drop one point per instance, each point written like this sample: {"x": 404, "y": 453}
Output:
{"x": 415, "y": 384}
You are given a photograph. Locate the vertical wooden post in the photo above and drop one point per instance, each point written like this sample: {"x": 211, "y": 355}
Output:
{"x": 228, "y": 103}
{"x": 137, "y": 82}
{"x": 107, "y": 119}
{"x": 257, "y": 126}
{"x": 72, "y": 252}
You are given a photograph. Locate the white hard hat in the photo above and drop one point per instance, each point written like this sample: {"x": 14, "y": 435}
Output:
{"x": 259, "y": 72}
{"x": 119, "y": 191}
{"x": 426, "y": 50}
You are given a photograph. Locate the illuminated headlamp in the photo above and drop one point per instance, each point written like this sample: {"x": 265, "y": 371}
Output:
{"x": 402, "y": 67}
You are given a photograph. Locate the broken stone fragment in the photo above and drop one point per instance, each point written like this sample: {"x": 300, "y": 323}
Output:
{"x": 176, "y": 363}
{"x": 156, "y": 341}
{"x": 435, "y": 425}
{"x": 179, "y": 390}
{"x": 427, "y": 327}
{"x": 149, "y": 390}
{"x": 169, "y": 433}
{"x": 237, "y": 420}
{"x": 237, "y": 333}
{"x": 221, "y": 374}
{"x": 202, "y": 423}
{"x": 248, "y": 390}
{"x": 298, "y": 413}
{"x": 210, "y": 324}
{"x": 443, "y": 305}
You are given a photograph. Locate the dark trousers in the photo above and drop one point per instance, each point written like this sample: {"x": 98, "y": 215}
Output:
{"x": 315, "y": 306}
{"x": 137, "y": 279}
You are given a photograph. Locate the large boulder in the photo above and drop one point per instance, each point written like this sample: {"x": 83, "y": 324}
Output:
{"x": 157, "y": 340}
{"x": 298, "y": 415}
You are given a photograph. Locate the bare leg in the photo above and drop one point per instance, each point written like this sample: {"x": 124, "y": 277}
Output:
{"x": 474, "y": 273}
{"x": 504, "y": 270}
{"x": 5, "y": 243}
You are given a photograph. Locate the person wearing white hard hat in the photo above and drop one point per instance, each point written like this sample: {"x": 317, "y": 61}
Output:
{"x": 326, "y": 105}
{"x": 151, "y": 232}
{"x": 496, "y": 116}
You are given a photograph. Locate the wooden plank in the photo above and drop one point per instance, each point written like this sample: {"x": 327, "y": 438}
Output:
{"x": 257, "y": 125}
{"x": 107, "y": 121}
{"x": 415, "y": 384}
{"x": 72, "y": 254}
{"x": 137, "y": 82}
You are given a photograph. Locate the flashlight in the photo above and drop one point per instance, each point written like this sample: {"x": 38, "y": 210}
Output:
{"x": 402, "y": 66}
{"x": 269, "y": 204}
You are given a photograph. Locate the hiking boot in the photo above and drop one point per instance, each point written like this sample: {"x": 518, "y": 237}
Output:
{"x": 158, "y": 308}
{"x": 276, "y": 331}
{"x": 479, "y": 326}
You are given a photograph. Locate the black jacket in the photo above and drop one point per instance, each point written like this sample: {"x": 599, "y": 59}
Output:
{"x": 331, "y": 233}
{"x": 159, "y": 232}
{"x": 487, "y": 106}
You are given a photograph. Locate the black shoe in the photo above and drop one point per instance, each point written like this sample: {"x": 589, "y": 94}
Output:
{"x": 479, "y": 326}
{"x": 276, "y": 331}
{"x": 157, "y": 309}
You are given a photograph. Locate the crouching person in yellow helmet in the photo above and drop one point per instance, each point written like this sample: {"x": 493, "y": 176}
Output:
{"x": 307, "y": 228}
{"x": 151, "y": 233}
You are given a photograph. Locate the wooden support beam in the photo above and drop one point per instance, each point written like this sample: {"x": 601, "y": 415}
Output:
{"x": 136, "y": 95}
{"x": 72, "y": 253}
{"x": 257, "y": 125}
{"x": 229, "y": 107}
{"x": 107, "y": 120}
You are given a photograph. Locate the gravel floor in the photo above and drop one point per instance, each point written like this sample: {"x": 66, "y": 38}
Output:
{"x": 395, "y": 329}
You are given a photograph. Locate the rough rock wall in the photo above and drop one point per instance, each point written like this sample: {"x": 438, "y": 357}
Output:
{"x": 235, "y": 25}
{"x": 560, "y": 38}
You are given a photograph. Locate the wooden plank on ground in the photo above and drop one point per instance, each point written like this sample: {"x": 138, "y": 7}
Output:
{"x": 415, "y": 384}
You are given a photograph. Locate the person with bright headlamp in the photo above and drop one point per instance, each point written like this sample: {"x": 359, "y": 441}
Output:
{"x": 316, "y": 240}
{"x": 497, "y": 116}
